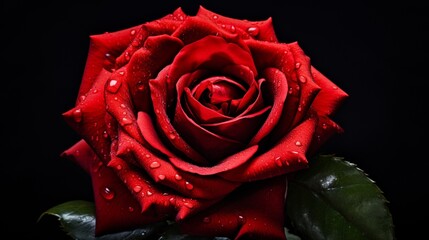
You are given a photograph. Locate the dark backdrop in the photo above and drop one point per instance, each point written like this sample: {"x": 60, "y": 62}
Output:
{"x": 374, "y": 52}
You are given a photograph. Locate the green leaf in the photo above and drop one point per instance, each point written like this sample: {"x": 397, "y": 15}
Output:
{"x": 77, "y": 219}
{"x": 290, "y": 236}
{"x": 333, "y": 199}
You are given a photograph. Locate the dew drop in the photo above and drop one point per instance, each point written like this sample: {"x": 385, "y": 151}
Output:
{"x": 206, "y": 220}
{"x": 126, "y": 121}
{"x": 253, "y": 31}
{"x": 215, "y": 17}
{"x": 147, "y": 155}
{"x": 178, "y": 177}
{"x": 77, "y": 115}
{"x": 161, "y": 177}
{"x": 140, "y": 86}
{"x": 105, "y": 135}
{"x": 95, "y": 91}
{"x": 302, "y": 79}
{"x": 297, "y": 65}
{"x": 149, "y": 193}
{"x": 189, "y": 205}
{"x": 123, "y": 105}
{"x": 223, "y": 25}
{"x": 130, "y": 209}
{"x": 172, "y": 200}
{"x": 133, "y": 32}
{"x": 241, "y": 219}
{"x": 154, "y": 165}
{"x": 189, "y": 186}
{"x": 290, "y": 90}
{"x": 119, "y": 167}
{"x": 82, "y": 98}
{"x": 278, "y": 161}
{"x": 298, "y": 143}
{"x": 114, "y": 86}
{"x": 127, "y": 56}
{"x": 324, "y": 126}
{"x": 121, "y": 73}
{"x": 107, "y": 193}
{"x": 294, "y": 152}
{"x": 137, "y": 188}
{"x": 172, "y": 136}
{"x": 233, "y": 29}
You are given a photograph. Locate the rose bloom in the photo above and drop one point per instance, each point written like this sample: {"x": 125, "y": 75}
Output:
{"x": 198, "y": 120}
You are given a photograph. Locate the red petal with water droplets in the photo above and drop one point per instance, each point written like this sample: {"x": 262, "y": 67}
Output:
{"x": 115, "y": 208}
{"x": 88, "y": 117}
{"x": 265, "y": 30}
{"x": 287, "y": 156}
{"x": 254, "y": 211}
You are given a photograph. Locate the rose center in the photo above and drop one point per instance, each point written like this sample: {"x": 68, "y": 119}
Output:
{"x": 221, "y": 94}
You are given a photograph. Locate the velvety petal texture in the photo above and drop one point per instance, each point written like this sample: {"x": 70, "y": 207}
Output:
{"x": 198, "y": 119}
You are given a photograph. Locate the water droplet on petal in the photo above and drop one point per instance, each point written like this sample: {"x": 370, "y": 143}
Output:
{"x": 133, "y": 32}
{"x": 77, "y": 115}
{"x": 302, "y": 79}
{"x": 107, "y": 193}
{"x": 172, "y": 200}
{"x": 140, "y": 86}
{"x": 189, "y": 186}
{"x": 233, "y": 29}
{"x": 147, "y": 155}
{"x": 324, "y": 126}
{"x": 215, "y": 17}
{"x": 161, "y": 177}
{"x": 172, "y": 136}
{"x": 126, "y": 121}
{"x": 297, "y": 65}
{"x": 95, "y": 91}
{"x": 105, "y": 135}
{"x": 178, "y": 177}
{"x": 155, "y": 165}
{"x": 298, "y": 143}
{"x": 137, "y": 188}
{"x": 241, "y": 220}
{"x": 130, "y": 209}
{"x": 253, "y": 31}
{"x": 82, "y": 98}
{"x": 189, "y": 205}
{"x": 149, "y": 193}
{"x": 206, "y": 220}
{"x": 290, "y": 90}
{"x": 278, "y": 161}
{"x": 119, "y": 167}
{"x": 294, "y": 152}
{"x": 113, "y": 86}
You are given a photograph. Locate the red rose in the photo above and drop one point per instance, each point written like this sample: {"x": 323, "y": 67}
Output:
{"x": 198, "y": 119}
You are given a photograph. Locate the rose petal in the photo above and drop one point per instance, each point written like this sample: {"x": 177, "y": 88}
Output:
{"x": 196, "y": 28}
{"x": 241, "y": 128}
{"x": 309, "y": 89}
{"x": 277, "y": 89}
{"x": 87, "y": 118}
{"x": 188, "y": 185}
{"x": 159, "y": 99}
{"x": 254, "y": 211}
{"x": 330, "y": 96}
{"x": 201, "y": 113}
{"x": 100, "y": 45}
{"x": 228, "y": 163}
{"x": 264, "y": 32}
{"x": 165, "y": 25}
{"x": 115, "y": 208}
{"x": 288, "y": 155}
{"x": 144, "y": 65}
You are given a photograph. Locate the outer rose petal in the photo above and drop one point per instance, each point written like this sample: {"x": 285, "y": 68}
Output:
{"x": 88, "y": 117}
{"x": 254, "y": 211}
{"x": 261, "y": 30}
{"x": 115, "y": 207}
{"x": 287, "y": 156}
{"x": 330, "y": 96}
{"x": 102, "y": 44}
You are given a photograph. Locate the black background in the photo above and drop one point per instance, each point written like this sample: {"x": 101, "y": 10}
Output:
{"x": 374, "y": 52}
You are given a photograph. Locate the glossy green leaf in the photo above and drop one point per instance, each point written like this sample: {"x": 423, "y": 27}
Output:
{"x": 333, "y": 199}
{"x": 77, "y": 219}
{"x": 290, "y": 236}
